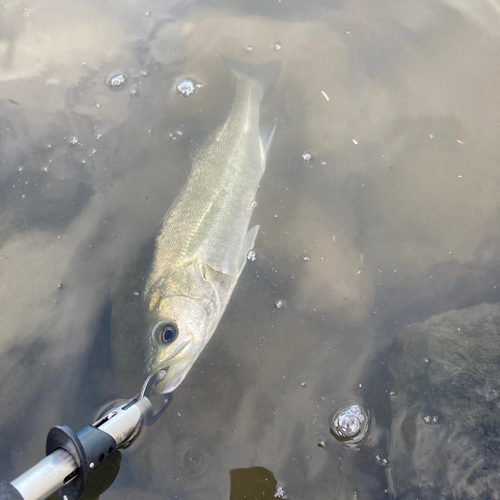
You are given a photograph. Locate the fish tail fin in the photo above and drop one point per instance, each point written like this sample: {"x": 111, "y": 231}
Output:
{"x": 262, "y": 76}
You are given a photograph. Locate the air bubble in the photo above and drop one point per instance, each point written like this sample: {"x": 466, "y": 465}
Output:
{"x": 307, "y": 156}
{"x": 307, "y": 259}
{"x": 253, "y": 204}
{"x": 251, "y": 256}
{"x": 133, "y": 91}
{"x": 117, "y": 80}
{"x": 277, "y": 46}
{"x": 349, "y": 423}
{"x": 73, "y": 141}
{"x": 279, "y": 304}
{"x": 186, "y": 87}
{"x": 249, "y": 48}
{"x": 431, "y": 420}
{"x": 280, "y": 493}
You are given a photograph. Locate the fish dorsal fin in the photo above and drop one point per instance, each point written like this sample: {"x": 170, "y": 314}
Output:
{"x": 198, "y": 138}
{"x": 266, "y": 137}
{"x": 247, "y": 246}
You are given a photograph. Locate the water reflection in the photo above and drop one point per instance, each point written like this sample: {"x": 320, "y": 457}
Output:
{"x": 397, "y": 210}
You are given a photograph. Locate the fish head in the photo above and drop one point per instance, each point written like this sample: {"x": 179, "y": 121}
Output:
{"x": 178, "y": 329}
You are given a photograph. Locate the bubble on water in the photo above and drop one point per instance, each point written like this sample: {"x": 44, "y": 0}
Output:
{"x": 428, "y": 419}
{"x": 186, "y": 87}
{"x": 133, "y": 90}
{"x": 45, "y": 169}
{"x": 280, "y": 493}
{"x": 303, "y": 384}
{"x": 253, "y": 204}
{"x": 381, "y": 460}
{"x": 20, "y": 170}
{"x": 307, "y": 156}
{"x": 277, "y": 46}
{"x": 73, "y": 141}
{"x": 60, "y": 285}
{"x": 144, "y": 72}
{"x": 279, "y": 304}
{"x": 307, "y": 259}
{"x": 135, "y": 293}
{"x": 117, "y": 80}
{"x": 350, "y": 423}
{"x": 251, "y": 256}
{"x": 249, "y": 48}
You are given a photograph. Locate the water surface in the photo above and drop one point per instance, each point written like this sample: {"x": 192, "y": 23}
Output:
{"x": 390, "y": 229}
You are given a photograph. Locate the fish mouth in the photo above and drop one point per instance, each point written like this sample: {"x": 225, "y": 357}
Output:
{"x": 165, "y": 384}
{"x": 168, "y": 377}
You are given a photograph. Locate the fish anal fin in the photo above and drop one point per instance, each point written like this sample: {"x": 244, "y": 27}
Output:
{"x": 266, "y": 137}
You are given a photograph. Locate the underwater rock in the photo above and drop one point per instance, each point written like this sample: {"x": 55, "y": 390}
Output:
{"x": 445, "y": 435}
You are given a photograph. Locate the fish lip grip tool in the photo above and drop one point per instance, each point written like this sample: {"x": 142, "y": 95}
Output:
{"x": 73, "y": 456}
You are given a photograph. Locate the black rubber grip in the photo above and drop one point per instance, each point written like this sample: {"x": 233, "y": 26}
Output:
{"x": 89, "y": 447}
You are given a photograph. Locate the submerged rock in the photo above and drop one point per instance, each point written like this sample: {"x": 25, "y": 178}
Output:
{"x": 445, "y": 433}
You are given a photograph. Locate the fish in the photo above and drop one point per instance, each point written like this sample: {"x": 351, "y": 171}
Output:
{"x": 202, "y": 246}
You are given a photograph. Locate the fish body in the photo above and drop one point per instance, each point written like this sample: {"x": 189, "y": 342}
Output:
{"x": 202, "y": 246}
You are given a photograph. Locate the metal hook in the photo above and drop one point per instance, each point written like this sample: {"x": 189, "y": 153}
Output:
{"x": 147, "y": 390}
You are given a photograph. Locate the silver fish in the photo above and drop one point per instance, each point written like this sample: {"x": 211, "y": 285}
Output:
{"x": 202, "y": 246}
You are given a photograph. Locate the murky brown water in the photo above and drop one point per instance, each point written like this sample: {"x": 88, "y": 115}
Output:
{"x": 397, "y": 212}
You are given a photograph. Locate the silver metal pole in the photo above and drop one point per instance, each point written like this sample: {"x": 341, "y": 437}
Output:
{"x": 46, "y": 477}
{"x": 51, "y": 474}
{"x": 120, "y": 424}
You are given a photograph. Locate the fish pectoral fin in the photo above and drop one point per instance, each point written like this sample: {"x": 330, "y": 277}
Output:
{"x": 212, "y": 275}
{"x": 247, "y": 246}
{"x": 266, "y": 137}
{"x": 198, "y": 138}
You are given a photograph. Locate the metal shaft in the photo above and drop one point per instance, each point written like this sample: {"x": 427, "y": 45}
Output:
{"x": 46, "y": 477}
{"x": 53, "y": 472}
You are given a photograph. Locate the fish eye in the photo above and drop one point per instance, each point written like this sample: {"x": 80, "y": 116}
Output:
{"x": 165, "y": 333}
